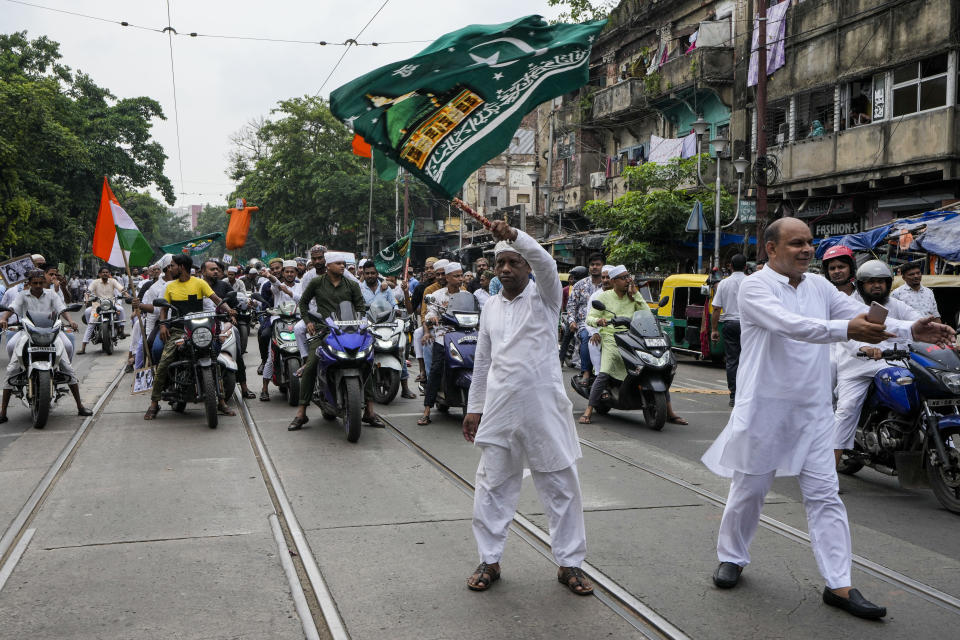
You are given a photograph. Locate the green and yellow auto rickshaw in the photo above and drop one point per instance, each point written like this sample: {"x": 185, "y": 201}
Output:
{"x": 684, "y": 313}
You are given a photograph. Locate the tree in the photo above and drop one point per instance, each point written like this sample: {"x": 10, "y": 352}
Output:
{"x": 298, "y": 167}
{"x": 583, "y": 10}
{"x": 60, "y": 134}
{"x": 648, "y": 221}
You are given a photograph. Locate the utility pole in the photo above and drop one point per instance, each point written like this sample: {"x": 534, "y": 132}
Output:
{"x": 549, "y": 189}
{"x": 761, "y": 124}
{"x": 396, "y": 200}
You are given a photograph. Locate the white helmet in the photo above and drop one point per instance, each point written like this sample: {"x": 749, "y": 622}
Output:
{"x": 873, "y": 269}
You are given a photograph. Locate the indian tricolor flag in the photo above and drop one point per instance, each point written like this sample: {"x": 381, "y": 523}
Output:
{"x": 116, "y": 234}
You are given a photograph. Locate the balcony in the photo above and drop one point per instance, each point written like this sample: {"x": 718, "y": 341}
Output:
{"x": 625, "y": 97}
{"x": 913, "y": 144}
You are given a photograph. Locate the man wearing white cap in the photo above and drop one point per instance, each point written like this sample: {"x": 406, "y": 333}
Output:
{"x": 519, "y": 413}
{"x": 283, "y": 289}
{"x": 453, "y": 273}
{"x": 593, "y": 333}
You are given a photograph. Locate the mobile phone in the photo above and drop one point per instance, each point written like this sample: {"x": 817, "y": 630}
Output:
{"x": 877, "y": 313}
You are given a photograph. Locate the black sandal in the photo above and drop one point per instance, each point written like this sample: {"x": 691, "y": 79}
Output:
{"x": 374, "y": 421}
{"x": 249, "y": 395}
{"x": 264, "y": 396}
{"x": 485, "y": 576}
{"x": 297, "y": 423}
{"x": 151, "y": 413}
{"x": 574, "y": 579}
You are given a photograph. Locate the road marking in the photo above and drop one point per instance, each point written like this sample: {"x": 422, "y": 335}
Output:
{"x": 713, "y": 392}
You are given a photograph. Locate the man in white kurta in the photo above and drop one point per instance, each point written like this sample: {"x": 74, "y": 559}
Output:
{"x": 782, "y": 423}
{"x": 527, "y": 419}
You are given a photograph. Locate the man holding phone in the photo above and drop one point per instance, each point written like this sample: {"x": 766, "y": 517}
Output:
{"x": 855, "y": 371}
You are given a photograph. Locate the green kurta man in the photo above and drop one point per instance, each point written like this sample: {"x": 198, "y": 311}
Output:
{"x": 328, "y": 291}
{"x": 621, "y": 300}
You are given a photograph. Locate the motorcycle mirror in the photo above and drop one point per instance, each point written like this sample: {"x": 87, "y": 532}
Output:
{"x": 161, "y": 303}
{"x": 231, "y": 296}
{"x": 71, "y": 308}
{"x": 663, "y": 301}
{"x": 599, "y": 306}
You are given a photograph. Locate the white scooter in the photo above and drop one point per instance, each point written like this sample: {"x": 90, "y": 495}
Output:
{"x": 227, "y": 359}
{"x": 40, "y": 382}
{"x": 389, "y": 349}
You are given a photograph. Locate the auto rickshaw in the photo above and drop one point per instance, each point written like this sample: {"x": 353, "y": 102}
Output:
{"x": 684, "y": 313}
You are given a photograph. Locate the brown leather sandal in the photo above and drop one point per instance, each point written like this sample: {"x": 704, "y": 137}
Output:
{"x": 574, "y": 579}
{"x": 483, "y": 577}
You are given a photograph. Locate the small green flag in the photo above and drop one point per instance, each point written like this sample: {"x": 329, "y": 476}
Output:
{"x": 444, "y": 112}
{"x": 391, "y": 260}
{"x": 193, "y": 246}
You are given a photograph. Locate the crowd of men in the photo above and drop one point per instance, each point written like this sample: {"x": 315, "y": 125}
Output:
{"x": 782, "y": 329}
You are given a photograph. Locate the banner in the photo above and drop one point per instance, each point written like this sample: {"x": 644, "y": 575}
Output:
{"x": 391, "y": 260}
{"x": 193, "y": 246}
{"x": 446, "y": 111}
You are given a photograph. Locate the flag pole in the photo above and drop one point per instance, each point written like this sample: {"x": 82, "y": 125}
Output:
{"x": 463, "y": 206}
{"x": 143, "y": 329}
{"x": 370, "y": 214}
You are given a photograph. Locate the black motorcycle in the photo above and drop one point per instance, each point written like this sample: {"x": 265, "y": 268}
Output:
{"x": 650, "y": 366}
{"x": 285, "y": 352}
{"x": 107, "y": 327}
{"x": 245, "y": 321}
{"x": 194, "y": 375}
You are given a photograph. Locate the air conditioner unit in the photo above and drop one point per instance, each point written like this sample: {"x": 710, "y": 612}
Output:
{"x": 598, "y": 180}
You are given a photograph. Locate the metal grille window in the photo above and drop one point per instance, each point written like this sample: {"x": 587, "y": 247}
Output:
{"x": 919, "y": 86}
{"x": 815, "y": 113}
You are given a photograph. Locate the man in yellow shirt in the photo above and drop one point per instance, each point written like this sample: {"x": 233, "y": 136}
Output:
{"x": 186, "y": 294}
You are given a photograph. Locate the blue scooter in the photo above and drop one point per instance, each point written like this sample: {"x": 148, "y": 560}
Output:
{"x": 345, "y": 350}
{"x": 910, "y": 422}
{"x": 459, "y": 346}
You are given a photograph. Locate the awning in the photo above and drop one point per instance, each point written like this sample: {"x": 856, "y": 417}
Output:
{"x": 937, "y": 232}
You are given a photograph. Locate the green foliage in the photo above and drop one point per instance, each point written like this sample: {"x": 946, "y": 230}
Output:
{"x": 298, "y": 167}
{"x": 647, "y": 223}
{"x": 652, "y": 83}
{"x": 583, "y": 10}
{"x": 60, "y": 134}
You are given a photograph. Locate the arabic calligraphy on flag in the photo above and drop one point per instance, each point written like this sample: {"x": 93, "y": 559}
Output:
{"x": 444, "y": 112}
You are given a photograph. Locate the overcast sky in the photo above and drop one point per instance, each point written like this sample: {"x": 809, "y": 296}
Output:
{"x": 221, "y": 83}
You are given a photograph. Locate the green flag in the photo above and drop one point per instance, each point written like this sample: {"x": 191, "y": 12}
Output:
{"x": 193, "y": 246}
{"x": 444, "y": 112}
{"x": 391, "y": 260}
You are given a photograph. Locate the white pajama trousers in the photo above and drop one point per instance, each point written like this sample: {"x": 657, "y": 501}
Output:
{"x": 88, "y": 334}
{"x": 826, "y": 519}
{"x": 418, "y": 343}
{"x": 499, "y": 479}
{"x": 300, "y": 331}
{"x": 851, "y": 392}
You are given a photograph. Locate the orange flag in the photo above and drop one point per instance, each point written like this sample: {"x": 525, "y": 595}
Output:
{"x": 360, "y": 146}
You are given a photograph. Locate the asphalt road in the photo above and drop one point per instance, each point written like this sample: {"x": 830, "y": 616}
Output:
{"x": 167, "y": 529}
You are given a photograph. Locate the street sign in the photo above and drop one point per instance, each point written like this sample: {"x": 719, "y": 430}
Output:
{"x": 748, "y": 211}
{"x": 696, "y": 222}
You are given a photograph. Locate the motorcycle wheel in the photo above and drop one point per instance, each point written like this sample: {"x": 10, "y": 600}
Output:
{"x": 228, "y": 378}
{"x": 945, "y": 483}
{"x": 244, "y": 335}
{"x": 40, "y": 407}
{"x": 604, "y": 410}
{"x": 655, "y": 409}
{"x": 179, "y": 407}
{"x": 442, "y": 408}
{"x": 106, "y": 338}
{"x": 386, "y": 385}
{"x": 293, "y": 387}
{"x": 209, "y": 396}
{"x": 848, "y": 466}
{"x": 352, "y": 397}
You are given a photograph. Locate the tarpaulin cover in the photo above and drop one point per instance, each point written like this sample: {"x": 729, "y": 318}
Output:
{"x": 941, "y": 235}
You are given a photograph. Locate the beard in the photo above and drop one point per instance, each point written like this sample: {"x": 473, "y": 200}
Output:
{"x": 879, "y": 299}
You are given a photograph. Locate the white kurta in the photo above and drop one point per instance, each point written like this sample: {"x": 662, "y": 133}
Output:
{"x": 783, "y": 381}
{"x": 517, "y": 381}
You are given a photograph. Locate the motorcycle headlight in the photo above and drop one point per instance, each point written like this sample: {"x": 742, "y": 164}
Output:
{"x": 951, "y": 381}
{"x": 42, "y": 339}
{"x": 454, "y": 353}
{"x": 652, "y": 360}
{"x": 202, "y": 337}
{"x": 288, "y": 335}
{"x": 106, "y": 305}
{"x": 363, "y": 353}
{"x": 467, "y": 320}
{"x": 384, "y": 344}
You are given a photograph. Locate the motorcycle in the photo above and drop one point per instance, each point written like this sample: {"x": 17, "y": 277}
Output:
{"x": 462, "y": 315}
{"x": 40, "y": 382}
{"x": 227, "y": 359}
{"x": 650, "y": 365}
{"x": 106, "y": 325}
{"x": 345, "y": 351}
{"x": 192, "y": 375}
{"x": 245, "y": 320}
{"x": 389, "y": 349}
{"x": 910, "y": 422}
{"x": 285, "y": 352}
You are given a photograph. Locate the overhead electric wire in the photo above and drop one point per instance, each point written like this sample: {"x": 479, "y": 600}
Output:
{"x": 193, "y": 34}
{"x": 354, "y": 41}
{"x": 176, "y": 111}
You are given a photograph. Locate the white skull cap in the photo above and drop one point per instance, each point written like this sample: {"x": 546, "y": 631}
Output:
{"x": 451, "y": 267}
{"x": 290, "y": 263}
{"x": 165, "y": 261}
{"x": 334, "y": 256}
{"x": 618, "y": 270}
{"x": 606, "y": 268}
{"x": 503, "y": 246}
{"x": 440, "y": 264}
{"x": 231, "y": 269}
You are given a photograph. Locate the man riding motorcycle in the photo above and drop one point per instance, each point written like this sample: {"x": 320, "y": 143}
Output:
{"x": 39, "y": 302}
{"x": 186, "y": 293}
{"x": 854, "y": 373}
{"x": 104, "y": 287}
